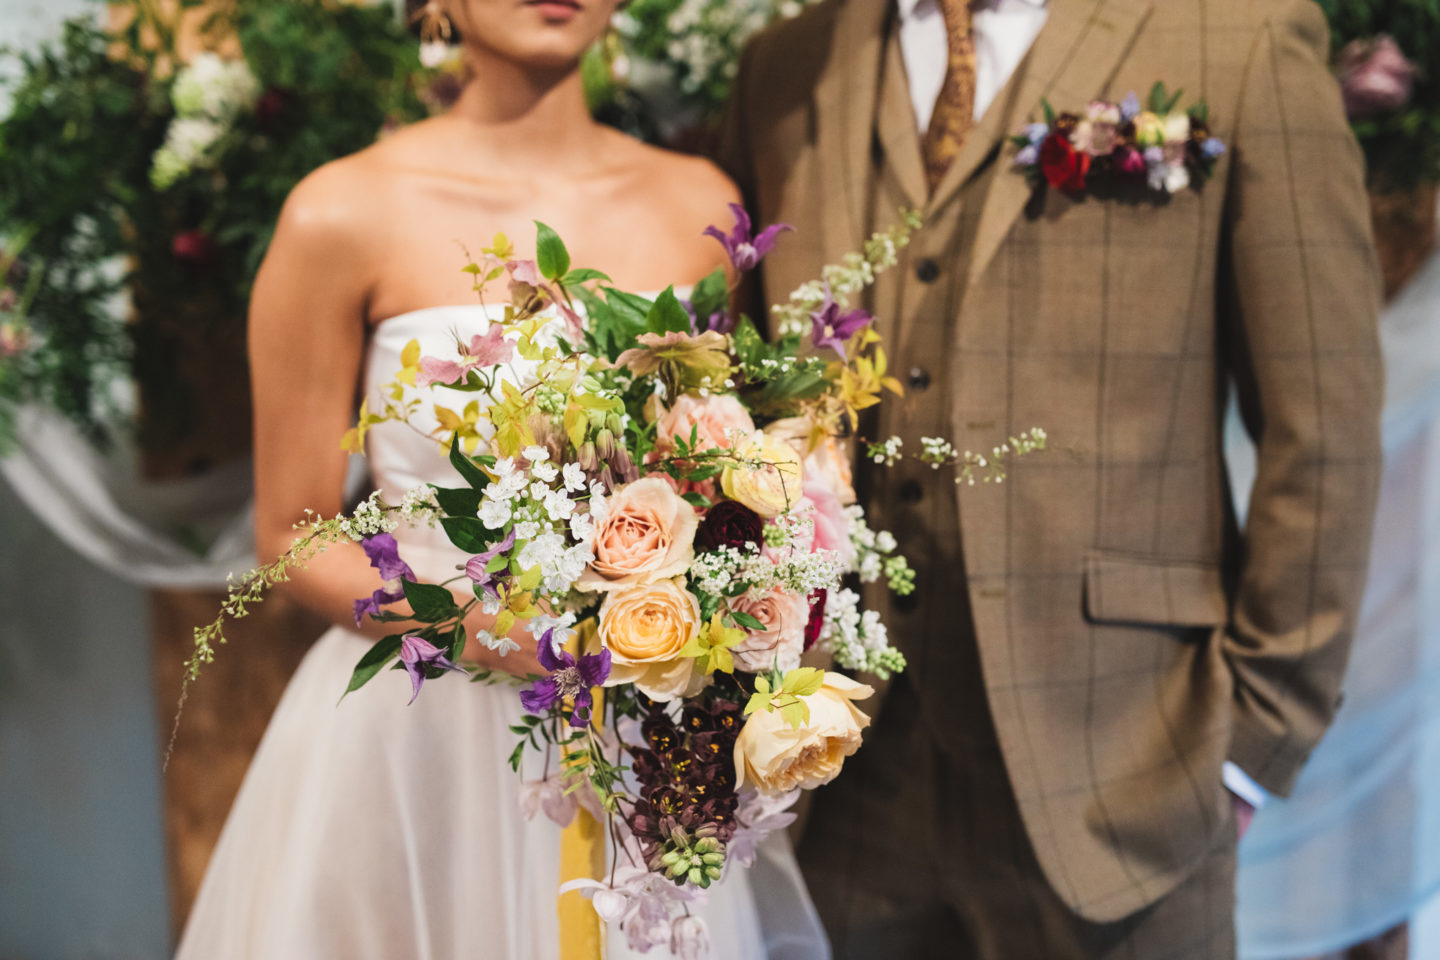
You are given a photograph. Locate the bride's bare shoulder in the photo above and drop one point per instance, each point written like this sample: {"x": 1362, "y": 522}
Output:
{"x": 688, "y": 185}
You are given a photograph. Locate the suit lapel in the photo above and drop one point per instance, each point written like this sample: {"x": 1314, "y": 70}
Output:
{"x": 895, "y": 126}
{"x": 1074, "y": 57}
{"x": 845, "y": 102}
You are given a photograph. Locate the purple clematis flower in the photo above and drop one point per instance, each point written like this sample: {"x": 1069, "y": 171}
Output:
{"x": 744, "y": 250}
{"x": 568, "y": 679}
{"x": 475, "y": 567}
{"x": 418, "y": 656}
{"x": 832, "y": 328}
{"x": 1212, "y": 148}
{"x": 1129, "y": 107}
{"x": 384, "y": 554}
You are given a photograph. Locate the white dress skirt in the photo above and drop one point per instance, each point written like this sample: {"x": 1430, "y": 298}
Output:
{"x": 371, "y": 830}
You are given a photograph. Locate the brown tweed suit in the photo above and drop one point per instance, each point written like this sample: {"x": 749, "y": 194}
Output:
{"x": 1120, "y": 636}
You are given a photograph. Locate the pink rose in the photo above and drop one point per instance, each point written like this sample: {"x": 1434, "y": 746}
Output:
{"x": 646, "y": 533}
{"x": 784, "y": 615}
{"x": 832, "y": 526}
{"x": 1375, "y": 76}
{"x": 712, "y": 418}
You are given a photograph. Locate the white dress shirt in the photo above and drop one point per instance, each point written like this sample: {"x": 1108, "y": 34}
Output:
{"x": 1004, "y": 31}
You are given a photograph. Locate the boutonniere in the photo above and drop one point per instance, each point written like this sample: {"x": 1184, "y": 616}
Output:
{"x": 1165, "y": 149}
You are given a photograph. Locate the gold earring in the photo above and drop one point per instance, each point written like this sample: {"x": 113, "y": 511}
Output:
{"x": 434, "y": 23}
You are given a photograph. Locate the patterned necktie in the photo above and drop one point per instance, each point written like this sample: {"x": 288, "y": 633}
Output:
{"x": 955, "y": 106}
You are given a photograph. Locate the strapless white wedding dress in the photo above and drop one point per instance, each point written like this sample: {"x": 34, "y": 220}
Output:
{"x": 369, "y": 830}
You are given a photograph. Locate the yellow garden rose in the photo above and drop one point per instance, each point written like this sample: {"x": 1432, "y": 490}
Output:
{"x": 771, "y": 488}
{"x": 776, "y": 758}
{"x": 645, "y": 628}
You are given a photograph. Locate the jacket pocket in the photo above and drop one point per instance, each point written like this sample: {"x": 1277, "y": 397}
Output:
{"x": 1124, "y": 588}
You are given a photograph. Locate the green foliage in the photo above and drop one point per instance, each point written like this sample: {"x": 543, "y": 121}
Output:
{"x": 90, "y": 110}
{"x": 1402, "y": 148}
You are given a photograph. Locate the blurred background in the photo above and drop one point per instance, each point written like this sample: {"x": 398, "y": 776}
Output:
{"x": 145, "y": 148}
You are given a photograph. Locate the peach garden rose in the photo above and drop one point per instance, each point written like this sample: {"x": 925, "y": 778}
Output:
{"x": 645, "y": 628}
{"x": 647, "y": 533}
{"x": 776, "y": 758}
{"x": 784, "y": 615}
{"x": 714, "y": 419}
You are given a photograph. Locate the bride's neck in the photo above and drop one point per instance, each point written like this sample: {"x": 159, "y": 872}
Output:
{"x": 519, "y": 110}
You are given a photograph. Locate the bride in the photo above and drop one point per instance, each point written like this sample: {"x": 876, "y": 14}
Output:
{"x": 370, "y": 829}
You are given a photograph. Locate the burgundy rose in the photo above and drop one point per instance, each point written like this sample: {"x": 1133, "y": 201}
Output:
{"x": 1064, "y": 167}
{"x": 817, "y": 617}
{"x": 1375, "y": 76}
{"x": 728, "y": 524}
{"x": 193, "y": 246}
{"x": 273, "y": 104}
{"x": 1128, "y": 162}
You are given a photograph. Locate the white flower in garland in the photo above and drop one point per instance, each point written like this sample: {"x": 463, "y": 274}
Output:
{"x": 208, "y": 95}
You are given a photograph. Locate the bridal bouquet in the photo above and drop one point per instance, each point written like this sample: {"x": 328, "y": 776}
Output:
{"x": 661, "y": 499}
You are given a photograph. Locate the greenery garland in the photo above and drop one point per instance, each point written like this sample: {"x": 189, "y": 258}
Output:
{"x": 1401, "y": 139}
{"x": 124, "y": 173}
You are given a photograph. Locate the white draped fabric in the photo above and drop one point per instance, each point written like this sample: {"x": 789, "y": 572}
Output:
{"x": 1356, "y": 849}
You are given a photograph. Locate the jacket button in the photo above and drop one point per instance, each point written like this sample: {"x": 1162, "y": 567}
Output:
{"x": 910, "y": 492}
{"x": 927, "y": 270}
{"x": 919, "y": 378}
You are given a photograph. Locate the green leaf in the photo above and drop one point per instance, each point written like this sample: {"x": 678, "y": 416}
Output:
{"x": 473, "y": 475}
{"x": 497, "y": 563}
{"x": 696, "y": 499}
{"x": 743, "y": 619}
{"x": 711, "y": 295}
{"x": 550, "y": 254}
{"x": 803, "y": 681}
{"x": 375, "y": 658}
{"x": 1157, "y": 98}
{"x": 468, "y": 533}
{"x": 762, "y": 683}
{"x": 1049, "y": 113}
{"x": 458, "y": 502}
{"x": 515, "y": 756}
{"x": 1170, "y": 104}
{"x": 583, "y": 275}
{"x": 430, "y": 602}
{"x": 667, "y": 315}
{"x": 457, "y": 643}
{"x": 757, "y": 701}
{"x": 796, "y": 714}
{"x": 707, "y": 471}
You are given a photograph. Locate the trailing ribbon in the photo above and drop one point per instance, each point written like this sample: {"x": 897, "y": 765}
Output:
{"x": 582, "y": 848}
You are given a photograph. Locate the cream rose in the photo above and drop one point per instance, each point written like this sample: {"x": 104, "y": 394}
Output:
{"x": 776, "y": 758}
{"x": 784, "y": 615}
{"x": 647, "y": 533}
{"x": 645, "y": 628}
{"x": 714, "y": 419}
{"x": 770, "y": 488}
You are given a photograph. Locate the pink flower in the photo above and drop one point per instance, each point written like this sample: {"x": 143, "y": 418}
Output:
{"x": 1095, "y": 133}
{"x": 548, "y": 794}
{"x": 646, "y": 534}
{"x": 832, "y": 526}
{"x": 486, "y": 350}
{"x": 716, "y": 420}
{"x": 1375, "y": 76}
{"x": 784, "y": 615}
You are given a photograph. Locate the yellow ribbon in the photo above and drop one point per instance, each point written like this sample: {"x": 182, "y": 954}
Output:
{"x": 582, "y": 848}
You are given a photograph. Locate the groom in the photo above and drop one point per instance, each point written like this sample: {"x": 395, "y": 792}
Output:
{"x": 1100, "y": 661}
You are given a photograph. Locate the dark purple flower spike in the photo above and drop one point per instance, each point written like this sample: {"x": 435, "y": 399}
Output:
{"x": 743, "y": 249}
{"x": 567, "y": 679}
{"x": 418, "y": 656}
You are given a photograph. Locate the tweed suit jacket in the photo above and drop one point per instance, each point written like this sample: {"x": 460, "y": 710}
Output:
{"x": 1132, "y": 638}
